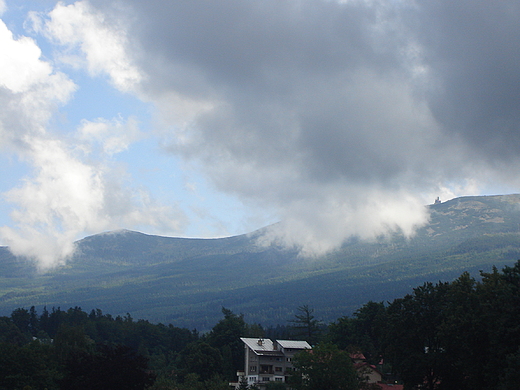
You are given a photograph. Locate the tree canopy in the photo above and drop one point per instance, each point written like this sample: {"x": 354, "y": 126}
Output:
{"x": 463, "y": 334}
{"x": 305, "y": 326}
{"x": 325, "y": 367}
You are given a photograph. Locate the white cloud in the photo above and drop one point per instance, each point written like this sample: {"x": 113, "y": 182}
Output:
{"x": 62, "y": 200}
{"x": 338, "y": 116}
{"x": 67, "y": 197}
{"x": 321, "y": 224}
{"x": 70, "y": 192}
{"x": 29, "y": 90}
{"x": 92, "y": 42}
{"x": 114, "y": 136}
{"x": 20, "y": 63}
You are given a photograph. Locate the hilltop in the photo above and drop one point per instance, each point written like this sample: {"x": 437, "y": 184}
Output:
{"x": 187, "y": 281}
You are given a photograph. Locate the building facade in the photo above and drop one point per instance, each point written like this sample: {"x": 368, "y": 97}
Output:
{"x": 269, "y": 361}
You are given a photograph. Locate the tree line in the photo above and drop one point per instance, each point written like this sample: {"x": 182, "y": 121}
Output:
{"x": 463, "y": 334}
{"x": 457, "y": 335}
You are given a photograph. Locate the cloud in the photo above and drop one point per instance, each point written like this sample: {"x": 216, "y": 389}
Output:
{"x": 92, "y": 41}
{"x": 113, "y": 136}
{"x": 472, "y": 52}
{"x": 319, "y": 224}
{"x": 21, "y": 68}
{"x": 342, "y": 117}
{"x": 67, "y": 197}
{"x": 309, "y": 109}
{"x": 74, "y": 187}
{"x": 30, "y": 91}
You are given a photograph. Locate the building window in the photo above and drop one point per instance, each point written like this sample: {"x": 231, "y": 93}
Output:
{"x": 266, "y": 369}
{"x": 288, "y": 359}
{"x": 278, "y": 379}
{"x": 252, "y": 369}
{"x": 278, "y": 369}
{"x": 266, "y": 379}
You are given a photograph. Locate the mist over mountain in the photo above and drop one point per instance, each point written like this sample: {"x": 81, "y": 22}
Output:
{"x": 186, "y": 281}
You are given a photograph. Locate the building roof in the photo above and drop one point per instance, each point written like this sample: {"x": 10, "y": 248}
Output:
{"x": 267, "y": 347}
{"x": 294, "y": 344}
{"x": 259, "y": 345}
{"x": 357, "y": 356}
{"x": 366, "y": 366}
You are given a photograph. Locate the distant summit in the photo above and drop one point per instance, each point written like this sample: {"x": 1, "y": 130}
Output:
{"x": 186, "y": 281}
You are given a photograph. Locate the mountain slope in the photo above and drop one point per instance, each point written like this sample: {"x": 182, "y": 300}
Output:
{"x": 187, "y": 281}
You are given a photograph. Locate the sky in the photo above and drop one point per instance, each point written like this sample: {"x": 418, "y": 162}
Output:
{"x": 211, "y": 118}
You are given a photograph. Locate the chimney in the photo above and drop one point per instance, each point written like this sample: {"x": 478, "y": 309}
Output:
{"x": 260, "y": 341}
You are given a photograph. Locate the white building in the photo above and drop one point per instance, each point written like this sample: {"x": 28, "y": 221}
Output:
{"x": 267, "y": 361}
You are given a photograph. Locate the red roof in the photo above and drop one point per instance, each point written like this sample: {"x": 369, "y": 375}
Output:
{"x": 359, "y": 366}
{"x": 357, "y": 356}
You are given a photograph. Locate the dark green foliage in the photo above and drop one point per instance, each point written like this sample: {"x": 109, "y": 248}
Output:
{"x": 459, "y": 335}
{"x": 363, "y": 332}
{"x": 33, "y": 365}
{"x": 510, "y": 377}
{"x": 276, "y": 386}
{"x": 21, "y": 318}
{"x": 71, "y": 340}
{"x": 202, "y": 359}
{"x": 193, "y": 382}
{"x": 50, "y": 322}
{"x": 324, "y": 368}
{"x": 305, "y": 326}
{"x": 108, "y": 368}
{"x": 414, "y": 344}
{"x": 84, "y": 348}
{"x": 242, "y": 383}
{"x": 225, "y": 336}
{"x": 10, "y": 333}
{"x": 278, "y": 332}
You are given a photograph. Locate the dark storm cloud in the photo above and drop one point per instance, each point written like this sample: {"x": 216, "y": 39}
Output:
{"x": 245, "y": 44}
{"x": 288, "y": 76}
{"x": 473, "y": 50}
{"x": 353, "y": 109}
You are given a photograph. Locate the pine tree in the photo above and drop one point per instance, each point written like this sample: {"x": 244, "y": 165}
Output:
{"x": 305, "y": 325}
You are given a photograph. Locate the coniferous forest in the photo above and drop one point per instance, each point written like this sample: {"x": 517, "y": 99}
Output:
{"x": 463, "y": 334}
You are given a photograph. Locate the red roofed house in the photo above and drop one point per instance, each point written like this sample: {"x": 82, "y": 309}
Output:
{"x": 370, "y": 374}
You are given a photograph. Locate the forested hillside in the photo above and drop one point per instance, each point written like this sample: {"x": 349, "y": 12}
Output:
{"x": 187, "y": 281}
{"x": 460, "y": 335}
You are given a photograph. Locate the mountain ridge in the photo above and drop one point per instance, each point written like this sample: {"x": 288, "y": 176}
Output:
{"x": 185, "y": 281}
